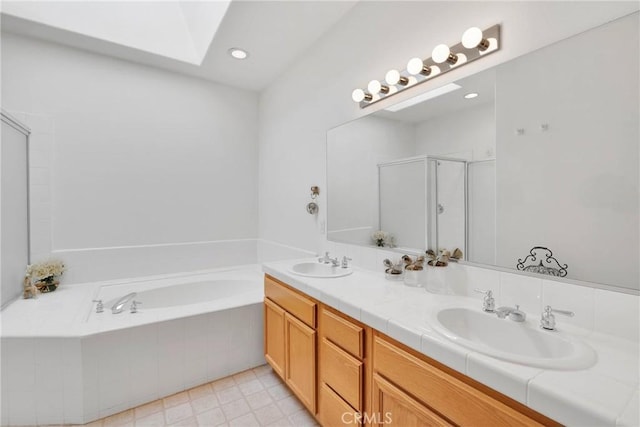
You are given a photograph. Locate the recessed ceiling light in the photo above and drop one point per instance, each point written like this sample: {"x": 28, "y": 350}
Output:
{"x": 470, "y": 95}
{"x": 238, "y": 53}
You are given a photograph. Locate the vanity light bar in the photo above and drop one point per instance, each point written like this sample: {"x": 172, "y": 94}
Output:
{"x": 475, "y": 44}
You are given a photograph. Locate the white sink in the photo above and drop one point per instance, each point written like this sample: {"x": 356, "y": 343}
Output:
{"x": 516, "y": 342}
{"x": 316, "y": 269}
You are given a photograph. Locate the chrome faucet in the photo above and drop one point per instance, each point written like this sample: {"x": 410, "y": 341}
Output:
{"x": 119, "y": 305}
{"x": 326, "y": 259}
{"x": 548, "y": 320}
{"x": 514, "y": 313}
{"x": 488, "y": 302}
{"x": 99, "y": 305}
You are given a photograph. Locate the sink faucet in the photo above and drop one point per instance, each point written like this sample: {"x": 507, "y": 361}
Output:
{"x": 326, "y": 259}
{"x": 488, "y": 302}
{"x": 345, "y": 261}
{"x": 548, "y": 320}
{"x": 119, "y": 305}
{"x": 514, "y": 313}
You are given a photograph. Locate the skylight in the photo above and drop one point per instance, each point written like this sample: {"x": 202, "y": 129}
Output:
{"x": 181, "y": 30}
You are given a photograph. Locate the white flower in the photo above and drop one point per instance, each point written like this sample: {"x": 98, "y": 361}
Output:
{"x": 45, "y": 269}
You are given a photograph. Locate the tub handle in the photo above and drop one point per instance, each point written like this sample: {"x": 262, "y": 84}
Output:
{"x": 134, "y": 306}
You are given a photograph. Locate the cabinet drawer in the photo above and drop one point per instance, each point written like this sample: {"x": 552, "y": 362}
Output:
{"x": 462, "y": 404}
{"x": 301, "y": 307}
{"x": 342, "y": 332}
{"x": 342, "y": 372}
{"x": 333, "y": 411}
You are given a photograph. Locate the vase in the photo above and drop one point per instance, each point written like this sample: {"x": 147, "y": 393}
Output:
{"x": 48, "y": 284}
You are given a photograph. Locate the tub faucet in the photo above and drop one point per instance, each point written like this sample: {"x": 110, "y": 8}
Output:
{"x": 119, "y": 305}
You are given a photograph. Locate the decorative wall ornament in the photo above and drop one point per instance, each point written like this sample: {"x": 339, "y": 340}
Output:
{"x": 475, "y": 44}
{"x": 554, "y": 268}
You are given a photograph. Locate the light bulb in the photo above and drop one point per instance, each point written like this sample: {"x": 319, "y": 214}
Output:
{"x": 393, "y": 77}
{"x": 358, "y": 95}
{"x": 375, "y": 86}
{"x": 473, "y": 38}
{"x": 238, "y": 53}
{"x": 441, "y": 53}
{"x": 415, "y": 66}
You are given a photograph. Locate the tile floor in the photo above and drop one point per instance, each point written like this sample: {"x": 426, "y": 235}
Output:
{"x": 256, "y": 397}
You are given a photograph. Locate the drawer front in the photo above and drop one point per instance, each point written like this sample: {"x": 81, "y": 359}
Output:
{"x": 342, "y": 332}
{"x": 301, "y": 307}
{"x": 333, "y": 411}
{"x": 462, "y": 404}
{"x": 342, "y": 372}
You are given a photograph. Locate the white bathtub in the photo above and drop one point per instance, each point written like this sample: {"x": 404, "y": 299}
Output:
{"x": 64, "y": 363}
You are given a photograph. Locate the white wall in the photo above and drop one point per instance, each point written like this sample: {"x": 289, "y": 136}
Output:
{"x": 140, "y": 160}
{"x": 591, "y": 108}
{"x": 314, "y": 94}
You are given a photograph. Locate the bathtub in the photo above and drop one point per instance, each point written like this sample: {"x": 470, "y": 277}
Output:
{"x": 64, "y": 363}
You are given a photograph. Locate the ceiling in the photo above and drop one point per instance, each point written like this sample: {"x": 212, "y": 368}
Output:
{"x": 274, "y": 33}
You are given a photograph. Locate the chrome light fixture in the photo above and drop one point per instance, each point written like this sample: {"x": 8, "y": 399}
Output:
{"x": 475, "y": 43}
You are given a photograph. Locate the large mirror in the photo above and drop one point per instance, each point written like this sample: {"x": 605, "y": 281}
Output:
{"x": 546, "y": 155}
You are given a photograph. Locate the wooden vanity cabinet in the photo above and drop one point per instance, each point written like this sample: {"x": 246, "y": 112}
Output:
{"x": 416, "y": 390}
{"x": 290, "y": 338}
{"x": 341, "y": 369}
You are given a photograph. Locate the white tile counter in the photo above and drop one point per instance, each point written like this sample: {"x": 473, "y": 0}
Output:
{"x": 605, "y": 394}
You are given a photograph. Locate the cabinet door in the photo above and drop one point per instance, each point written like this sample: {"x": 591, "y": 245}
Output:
{"x": 391, "y": 406}
{"x": 300, "y": 351}
{"x": 274, "y": 336}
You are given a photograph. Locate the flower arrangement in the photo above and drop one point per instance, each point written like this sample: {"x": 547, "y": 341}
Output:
{"x": 382, "y": 239}
{"x": 44, "y": 274}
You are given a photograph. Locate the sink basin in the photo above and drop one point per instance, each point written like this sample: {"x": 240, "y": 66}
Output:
{"x": 512, "y": 341}
{"x": 316, "y": 269}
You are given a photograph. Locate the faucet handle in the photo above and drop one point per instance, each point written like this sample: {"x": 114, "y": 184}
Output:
{"x": 548, "y": 320}
{"x": 99, "y": 305}
{"x": 488, "y": 302}
{"x": 345, "y": 261}
{"x": 134, "y": 306}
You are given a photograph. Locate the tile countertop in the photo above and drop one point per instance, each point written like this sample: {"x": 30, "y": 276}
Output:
{"x": 606, "y": 394}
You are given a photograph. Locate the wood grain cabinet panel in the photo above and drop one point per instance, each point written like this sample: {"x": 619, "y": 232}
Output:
{"x": 300, "y": 364}
{"x": 342, "y": 372}
{"x": 392, "y": 407}
{"x": 333, "y": 411}
{"x": 443, "y": 393}
{"x": 342, "y": 332}
{"x": 274, "y": 336}
{"x": 291, "y": 301}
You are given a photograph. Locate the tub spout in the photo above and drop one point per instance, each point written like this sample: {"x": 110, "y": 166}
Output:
{"x": 119, "y": 305}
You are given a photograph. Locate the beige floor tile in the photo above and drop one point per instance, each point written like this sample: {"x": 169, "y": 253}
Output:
{"x": 153, "y": 420}
{"x": 148, "y": 409}
{"x": 289, "y": 405}
{"x": 268, "y": 414}
{"x": 283, "y": 422}
{"x": 210, "y": 418}
{"x": 189, "y": 422}
{"x": 259, "y": 399}
{"x": 205, "y": 403}
{"x": 178, "y": 413}
{"x": 244, "y": 376}
{"x": 236, "y": 409}
{"x": 279, "y": 391}
{"x": 223, "y": 383}
{"x": 118, "y": 419}
{"x": 270, "y": 379}
{"x": 302, "y": 419}
{"x": 250, "y": 387}
{"x": 248, "y": 420}
{"x": 228, "y": 395}
{"x": 176, "y": 399}
{"x": 96, "y": 423}
{"x": 262, "y": 370}
{"x": 200, "y": 391}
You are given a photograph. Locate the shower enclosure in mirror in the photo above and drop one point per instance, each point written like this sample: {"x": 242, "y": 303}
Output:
{"x": 546, "y": 154}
